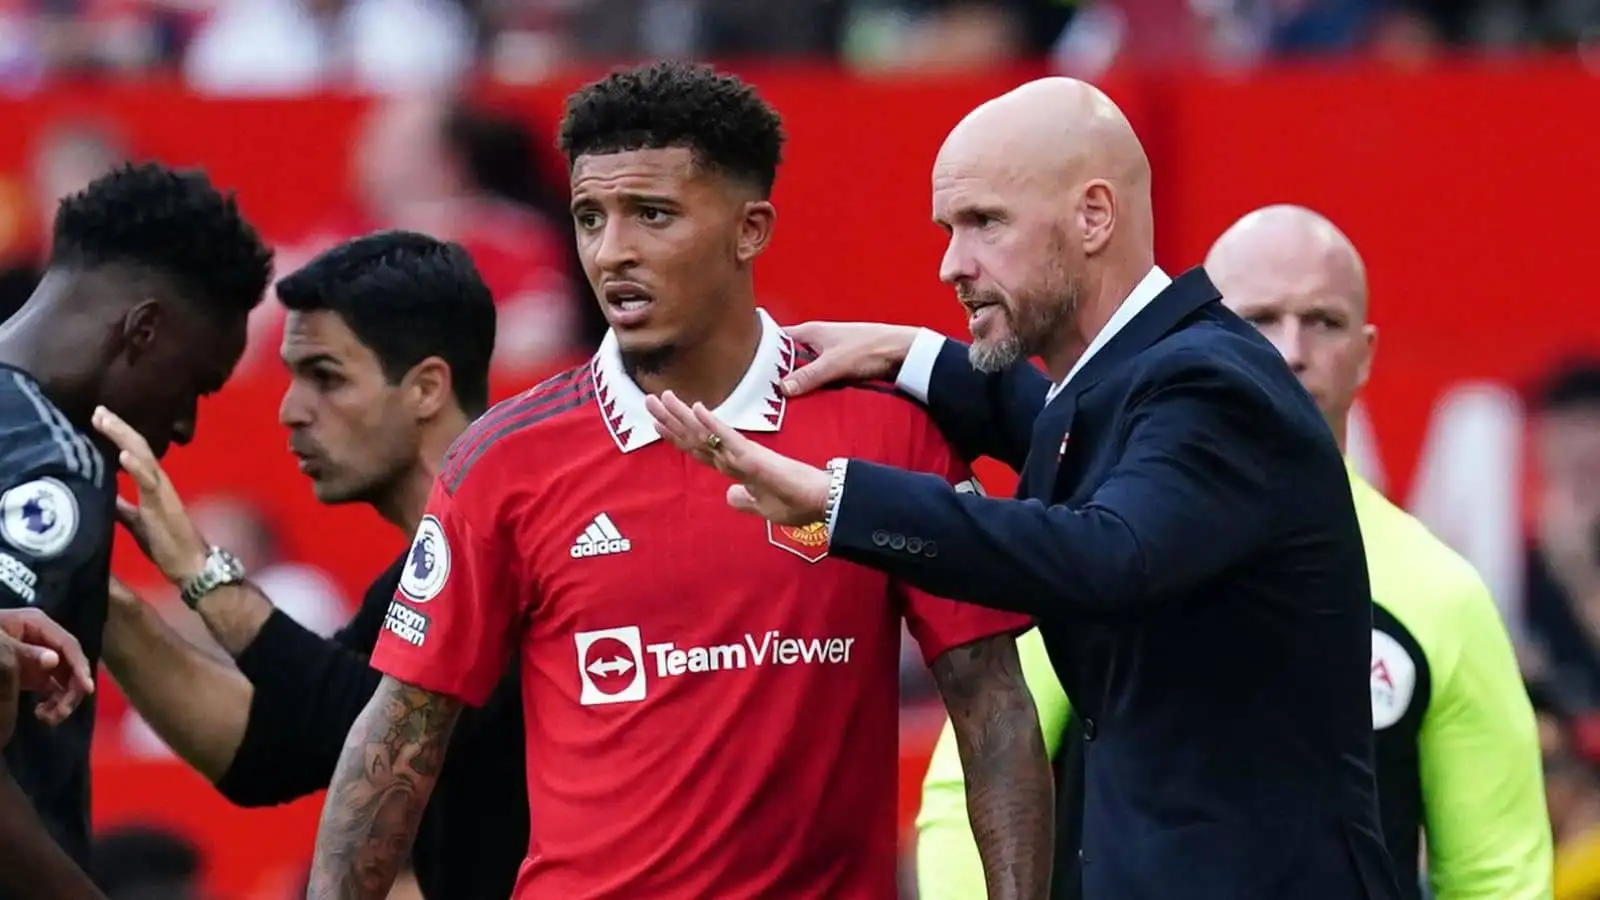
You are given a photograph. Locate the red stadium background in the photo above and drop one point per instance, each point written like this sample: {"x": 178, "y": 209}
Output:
{"x": 1472, "y": 193}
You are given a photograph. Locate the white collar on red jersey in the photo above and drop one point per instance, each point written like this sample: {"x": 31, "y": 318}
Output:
{"x": 756, "y": 404}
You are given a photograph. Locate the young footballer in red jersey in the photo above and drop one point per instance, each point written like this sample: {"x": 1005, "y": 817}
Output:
{"x": 711, "y": 702}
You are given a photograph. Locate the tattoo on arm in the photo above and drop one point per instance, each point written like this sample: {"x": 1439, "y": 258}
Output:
{"x": 1010, "y": 791}
{"x": 380, "y": 788}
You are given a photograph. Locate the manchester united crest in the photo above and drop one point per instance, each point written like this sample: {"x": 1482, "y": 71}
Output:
{"x": 809, "y": 542}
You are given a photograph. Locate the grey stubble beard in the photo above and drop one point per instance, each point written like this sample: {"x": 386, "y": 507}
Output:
{"x": 1029, "y": 331}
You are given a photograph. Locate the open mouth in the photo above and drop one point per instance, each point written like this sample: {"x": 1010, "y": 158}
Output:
{"x": 308, "y": 460}
{"x": 981, "y": 311}
{"x": 627, "y": 298}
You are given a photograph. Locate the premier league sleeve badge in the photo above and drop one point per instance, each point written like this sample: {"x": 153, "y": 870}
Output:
{"x": 39, "y": 517}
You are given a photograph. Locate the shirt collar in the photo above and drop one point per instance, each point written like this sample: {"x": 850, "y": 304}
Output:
{"x": 1149, "y": 287}
{"x": 757, "y": 404}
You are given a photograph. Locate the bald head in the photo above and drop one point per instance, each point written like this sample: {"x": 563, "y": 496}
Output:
{"x": 1050, "y": 128}
{"x": 1300, "y": 281}
{"x": 1045, "y": 193}
{"x": 1285, "y": 241}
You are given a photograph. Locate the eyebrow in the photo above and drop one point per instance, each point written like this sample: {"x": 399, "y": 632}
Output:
{"x": 628, "y": 198}
{"x": 313, "y": 360}
{"x": 970, "y": 210}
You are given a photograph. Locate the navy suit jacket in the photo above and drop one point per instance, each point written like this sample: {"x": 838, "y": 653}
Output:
{"x": 1186, "y": 539}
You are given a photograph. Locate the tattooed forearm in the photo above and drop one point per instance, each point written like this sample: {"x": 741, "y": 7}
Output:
{"x": 1010, "y": 792}
{"x": 380, "y": 788}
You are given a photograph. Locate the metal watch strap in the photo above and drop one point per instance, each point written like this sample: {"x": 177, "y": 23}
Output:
{"x": 220, "y": 568}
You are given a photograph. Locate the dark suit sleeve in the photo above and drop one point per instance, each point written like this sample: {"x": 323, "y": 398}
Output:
{"x": 1187, "y": 499}
{"x": 985, "y": 414}
{"x": 308, "y": 692}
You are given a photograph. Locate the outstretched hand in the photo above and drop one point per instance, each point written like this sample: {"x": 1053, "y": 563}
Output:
{"x": 769, "y": 484}
{"x": 158, "y": 522}
{"x": 848, "y": 351}
{"x": 39, "y": 655}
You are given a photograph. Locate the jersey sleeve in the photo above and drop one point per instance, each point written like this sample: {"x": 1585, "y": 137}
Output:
{"x": 938, "y": 624}
{"x": 1488, "y": 832}
{"x": 452, "y": 624}
{"x": 50, "y": 525}
{"x": 948, "y": 864}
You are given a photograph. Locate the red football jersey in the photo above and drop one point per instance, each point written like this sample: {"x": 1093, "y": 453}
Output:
{"x": 712, "y": 702}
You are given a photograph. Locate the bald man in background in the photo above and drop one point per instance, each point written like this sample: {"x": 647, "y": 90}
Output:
{"x": 1446, "y": 693}
{"x": 1184, "y": 531}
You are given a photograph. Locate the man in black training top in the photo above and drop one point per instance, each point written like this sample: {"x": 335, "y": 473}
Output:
{"x": 142, "y": 309}
{"x": 388, "y": 341}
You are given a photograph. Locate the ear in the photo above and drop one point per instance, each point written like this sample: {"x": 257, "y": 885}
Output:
{"x": 428, "y": 388}
{"x": 139, "y": 328}
{"x": 1097, "y": 215}
{"x": 1369, "y": 333}
{"x": 755, "y": 231}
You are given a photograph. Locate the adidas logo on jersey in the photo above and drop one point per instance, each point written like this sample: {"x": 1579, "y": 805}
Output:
{"x": 601, "y": 538}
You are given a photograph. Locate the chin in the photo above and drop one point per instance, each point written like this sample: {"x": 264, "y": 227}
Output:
{"x": 641, "y": 341}
{"x": 332, "y": 493}
{"x": 646, "y": 357}
{"x": 992, "y": 355}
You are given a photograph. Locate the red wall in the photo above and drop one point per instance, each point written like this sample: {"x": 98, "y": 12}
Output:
{"x": 1471, "y": 192}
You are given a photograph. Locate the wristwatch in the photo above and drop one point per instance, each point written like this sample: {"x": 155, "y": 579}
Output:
{"x": 220, "y": 568}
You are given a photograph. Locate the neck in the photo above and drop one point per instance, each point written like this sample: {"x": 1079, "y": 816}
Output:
{"x": 709, "y": 372}
{"x": 404, "y": 505}
{"x": 38, "y": 342}
{"x": 1339, "y": 424}
{"x": 1107, "y": 292}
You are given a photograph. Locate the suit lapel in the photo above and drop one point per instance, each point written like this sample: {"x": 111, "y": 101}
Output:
{"x": 1187, "y": 293}
{"x": 1053, "y": 429}
{"x": 1050, "y": 433}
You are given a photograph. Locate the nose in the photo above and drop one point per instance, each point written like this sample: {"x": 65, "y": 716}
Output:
{"x": 614, "y": 250}
{"x": 1290, "y": 340}
{"x": 958, "y": 266}
{"x": 293, "y": 411}
{"x": 183, "y": 431}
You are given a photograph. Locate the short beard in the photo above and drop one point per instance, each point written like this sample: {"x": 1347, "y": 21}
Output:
{"x": 654, "y": 361}
{"x": 994, "y": 356}
{"x": 1035, "y": 325}
{"x": 375, "y": 491}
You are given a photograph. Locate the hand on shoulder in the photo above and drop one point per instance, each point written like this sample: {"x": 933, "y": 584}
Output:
{"x": 848, "y": 351}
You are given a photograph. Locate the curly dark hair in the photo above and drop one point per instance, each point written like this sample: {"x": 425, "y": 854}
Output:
{"x": 719, "y": 118}
{"x": 174, "y": 223}
{"x": 407, "y": 297}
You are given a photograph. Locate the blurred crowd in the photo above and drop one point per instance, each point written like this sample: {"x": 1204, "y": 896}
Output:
{"x": 1561, "y": 614}
{"x": 286, "y": 46}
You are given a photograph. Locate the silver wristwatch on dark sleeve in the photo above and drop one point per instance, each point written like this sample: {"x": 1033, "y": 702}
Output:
{"x": 220, "y": 568}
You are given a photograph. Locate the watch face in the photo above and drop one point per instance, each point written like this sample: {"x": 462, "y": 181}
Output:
{"x": 221, "y": 567}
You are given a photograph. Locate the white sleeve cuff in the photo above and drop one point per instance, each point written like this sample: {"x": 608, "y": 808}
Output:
{"x": 916, "y": 373}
